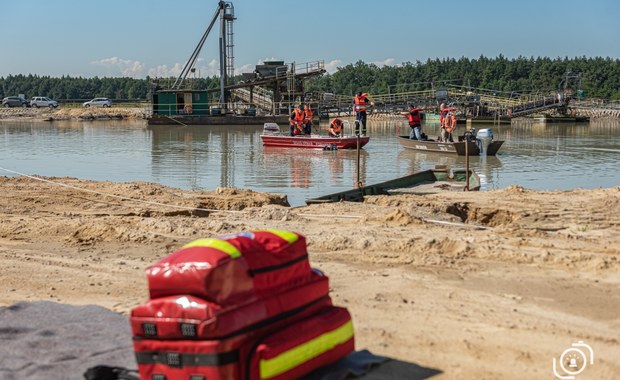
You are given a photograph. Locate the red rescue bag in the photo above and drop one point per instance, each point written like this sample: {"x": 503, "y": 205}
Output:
{"x": 303, "y": 347}
{"x": 187, "y": 317}
{"x": 245, "y": 306}
{"x": 225, "y": 270}
{"x": 224, "y": 358}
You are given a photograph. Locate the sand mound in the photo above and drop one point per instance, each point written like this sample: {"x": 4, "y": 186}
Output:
{"x": 68, "y": 113}
{"x": 98, "y": 113}
{"x": 479, "y": 279}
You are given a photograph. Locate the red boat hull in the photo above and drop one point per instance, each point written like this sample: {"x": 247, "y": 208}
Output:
{"x": 314, "y": 141}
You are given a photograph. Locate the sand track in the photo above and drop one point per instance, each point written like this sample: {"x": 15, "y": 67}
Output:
{"x": 476, "y": 285}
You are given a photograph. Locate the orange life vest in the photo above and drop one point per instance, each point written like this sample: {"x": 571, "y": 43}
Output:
{"x": 308, "y": 114}
{"x": 336, "y": 124}
{"x": 360, "y": 103}
{"x": 298, "y": 118}
{"x": 297, "y": 121}
{"x": 449, "y": 122}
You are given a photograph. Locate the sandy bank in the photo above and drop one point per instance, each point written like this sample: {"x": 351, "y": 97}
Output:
{"x": 60, "y": 113}
{"x": 478, "y": 285}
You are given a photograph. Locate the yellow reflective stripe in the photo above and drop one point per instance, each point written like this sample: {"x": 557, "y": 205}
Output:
{"x": 220, "y": 244}
{"x": 305, "y": 352}
{"x": 289, "y": 236}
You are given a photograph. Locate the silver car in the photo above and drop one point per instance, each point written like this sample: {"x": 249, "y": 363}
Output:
{"x": 43, "y": 101}
{"x": 98, "y": 102}
{"x": 14, "y": 101}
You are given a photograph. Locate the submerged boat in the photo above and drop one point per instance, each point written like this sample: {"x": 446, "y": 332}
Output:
{"x": 469, "y": 145}
{"x": 425, "y": 182}
{"x": 272, "y": 136}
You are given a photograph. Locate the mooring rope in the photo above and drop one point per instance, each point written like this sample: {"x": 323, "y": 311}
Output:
{"x": 116, "y": 196}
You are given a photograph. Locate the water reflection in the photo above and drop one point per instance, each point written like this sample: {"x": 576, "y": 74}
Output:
{"x": 307, "y": 168}
{"x": 203, "y": 155}
{"x": 534, "y": 155}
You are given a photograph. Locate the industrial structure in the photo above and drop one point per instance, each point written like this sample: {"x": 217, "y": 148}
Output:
{"x": 270, "y": 92}
{"x": 472, "y": 104}
{"x": 265, "y": 95}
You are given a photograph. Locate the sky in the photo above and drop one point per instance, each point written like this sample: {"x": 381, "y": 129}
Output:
{"x": 136, "y": 38}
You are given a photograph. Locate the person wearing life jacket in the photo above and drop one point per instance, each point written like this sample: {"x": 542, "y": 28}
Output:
{"x": 449, "y": 124}
{"x": 359, "y": 107}
{"x": 308, "y": 119}
{"x": 335, "y": 128}
{"x": 296, "y": 121}
{"x": 415, "y": 123}
{"x": 445, "y": 120}
{"x": 453, "y": 121}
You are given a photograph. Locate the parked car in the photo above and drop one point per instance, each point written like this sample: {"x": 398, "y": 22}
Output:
{"x": 14, "y": 101}
{"x": 98, "y": 102}
{"x": 43, "y": 101}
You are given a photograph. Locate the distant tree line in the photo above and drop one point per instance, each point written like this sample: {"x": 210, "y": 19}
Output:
{"x": 597, "y": 77}
{"x": 70, "y": 88}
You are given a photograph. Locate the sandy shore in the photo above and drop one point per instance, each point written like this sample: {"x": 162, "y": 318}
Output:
{"x": 479, "y": 285}
{"x": 135, "y": 112}
{"x": 79, "y": 113}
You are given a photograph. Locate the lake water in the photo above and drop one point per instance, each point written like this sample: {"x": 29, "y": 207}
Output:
{"x": 536, "y": 156}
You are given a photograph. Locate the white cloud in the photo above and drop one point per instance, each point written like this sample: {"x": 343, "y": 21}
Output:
{"x": 386, "y": 62}
{"x": 123, "y": 67}
{"x": 203, "y": 70}
{"x": 247, "y": 68}
{"x": 163, "y": 71}
{"x": 135, "y": 69}
{"x": 212, "y": 68}
{"x": 332, "y": 65}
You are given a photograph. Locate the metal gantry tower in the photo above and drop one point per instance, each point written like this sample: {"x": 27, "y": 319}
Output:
{"x": 226, "y": 14}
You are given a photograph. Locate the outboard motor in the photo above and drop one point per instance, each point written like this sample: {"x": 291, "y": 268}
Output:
{"x": 484, "y": 137}
{"x": 470, "y": 135}
{"x": 271, "y": 128}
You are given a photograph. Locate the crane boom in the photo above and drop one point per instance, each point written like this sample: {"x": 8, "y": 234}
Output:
{"x": 221, "y": 8}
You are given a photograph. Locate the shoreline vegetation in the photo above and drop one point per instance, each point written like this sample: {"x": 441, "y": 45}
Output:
{"x": 597, "y": 77}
